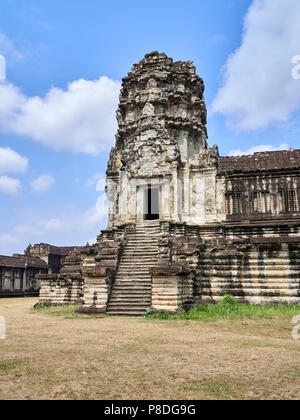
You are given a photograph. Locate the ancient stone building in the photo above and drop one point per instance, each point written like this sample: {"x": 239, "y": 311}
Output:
{"x": 185, "y": 225}
{"x": 54, "y": 256}
{"x": 18, "y": 273}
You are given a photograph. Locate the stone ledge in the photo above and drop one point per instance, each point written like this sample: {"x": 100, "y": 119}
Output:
{"x": 46, "y": 276}
{"x": 98, "y": 271}
{"x": 168, "y": 271}
{"x": 84, "y": 310}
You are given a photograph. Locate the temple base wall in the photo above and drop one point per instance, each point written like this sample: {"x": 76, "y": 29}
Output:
{"x": 171, "y": 293}
{"x": 259, "y": 269}
{"x": 60, "y": 292}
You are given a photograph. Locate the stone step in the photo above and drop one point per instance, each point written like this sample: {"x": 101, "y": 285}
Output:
{"x": 125, "y": 310}
{"x": 141, "y": 248}
{"x": 126, "y": 313}
{"x": 132, "y": 268}
{"x": 134, "y": 279}
{"x": 133, "y": 282}
{"x": 133, "y": 263}
{"x": 137, "y": 247}
{"x": 147, "y": 255}
{"x": 150, "y": 244}
{"x": 142, "y": 269}
{"x": 150, "y": 241}
{"x": 128, "y": 305}
{"x": 134, "y": 260}
{"x": 130, "y": 276}
{"x": 139, "y": 286}
{"x": 132, "y": 290}
{"x": 130, "y": 302}
{"x": 144, "y": 237}
{"x": 145, "y": 295}
{"x": 125, "y": 282}
{"x": 139, "y": 294}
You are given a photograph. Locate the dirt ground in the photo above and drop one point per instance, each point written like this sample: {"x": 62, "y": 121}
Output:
{"x": 51, "y": 357}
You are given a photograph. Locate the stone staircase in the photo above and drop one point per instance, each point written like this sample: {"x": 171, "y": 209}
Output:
{"x": 131, "y": 294}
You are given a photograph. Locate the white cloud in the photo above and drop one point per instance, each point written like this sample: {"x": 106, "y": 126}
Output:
{"x": 86, "y": 221}
{"x": 58, "y": 229}
{"x": 42, "y": 183}
{"x": 80, "y": 119}
{"x": 258, "y": 87}
{"x": 6, "y": 240}
{"x": 261, "y": 148}
{"x": 11, "y": 161}
{"x": 98, "y": 180}
{"x": 9, "y": 186}
{"x": 2, "y": 68}
{"x": 7, "y": 49}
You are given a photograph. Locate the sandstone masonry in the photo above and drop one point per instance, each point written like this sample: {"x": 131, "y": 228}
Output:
{"x": 185, "y": 225}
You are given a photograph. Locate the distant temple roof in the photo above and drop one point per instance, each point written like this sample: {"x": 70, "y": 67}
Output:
{"x": 262, "y": 161}
{"x": 21, "y": 261}
{"x": 57, "y": 250}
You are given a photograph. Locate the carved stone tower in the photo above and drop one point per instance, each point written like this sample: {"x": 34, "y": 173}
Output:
{"x": 186, "y": 226}
{"x": 162, "y": 132}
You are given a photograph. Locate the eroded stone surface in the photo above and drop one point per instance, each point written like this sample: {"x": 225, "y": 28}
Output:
{"x": 226, "y": 224}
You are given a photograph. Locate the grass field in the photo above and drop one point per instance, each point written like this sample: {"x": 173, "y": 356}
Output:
{"x": 54, "y": 354}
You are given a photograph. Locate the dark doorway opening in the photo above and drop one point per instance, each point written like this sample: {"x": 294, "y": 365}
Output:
{"x": 152, "y": 203}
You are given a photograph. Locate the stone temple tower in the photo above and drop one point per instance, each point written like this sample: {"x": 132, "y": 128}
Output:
{"x": 186, "y": 226}
{"x": 162, "y": 133}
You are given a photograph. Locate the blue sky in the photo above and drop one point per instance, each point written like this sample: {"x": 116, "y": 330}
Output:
{"x": 64, "y": 62}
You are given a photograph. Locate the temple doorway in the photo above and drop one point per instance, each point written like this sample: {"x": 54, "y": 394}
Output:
{"x": 151, "y": 203}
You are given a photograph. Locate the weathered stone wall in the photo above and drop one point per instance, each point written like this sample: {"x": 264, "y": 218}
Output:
{"x": 100, "y": 266}
{"x": 258, "y": 273}
{"x": 259, "y": 265}
{"x": 56, "y": 291}
{"x": 228, "y": 224}
{"x": 19, "y": 282}
{"x": 162, "y": 129}
{"x": 54, "y": 256}
{"x": 261, "y": 186}
{"x": 66, "y": 287}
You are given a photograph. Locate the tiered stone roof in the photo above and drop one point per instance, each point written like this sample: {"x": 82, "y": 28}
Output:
{"x": 21, "y": 262}
{"x": 262, "y": 161}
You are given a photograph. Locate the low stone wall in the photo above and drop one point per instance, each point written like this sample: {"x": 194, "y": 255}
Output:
{"x": 261, "y": 273}
{"x": 65, "y": 288}
{"x": 198, "y": 265}
{"x": 172, "y": 290}
{"x": 97, "y": 288}
{"x": 56, "y": 291}
{"x": 100, "y": 264}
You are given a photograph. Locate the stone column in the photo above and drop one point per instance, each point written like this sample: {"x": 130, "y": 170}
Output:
{"x": 186, "y": 195}
{"x": 175, "y": 215}
{"x": 96, "y": 290}
{"x": 170, "y": 289}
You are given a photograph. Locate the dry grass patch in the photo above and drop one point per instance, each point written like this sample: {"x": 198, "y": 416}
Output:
{"x": 62, "y": 356}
